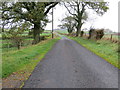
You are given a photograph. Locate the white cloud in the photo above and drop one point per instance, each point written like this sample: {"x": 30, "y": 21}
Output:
{"x": 58, "y": 14}
{"x": 110, "y": 18}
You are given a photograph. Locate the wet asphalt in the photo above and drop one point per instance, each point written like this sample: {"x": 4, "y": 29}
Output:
{"x": 70, "y": 65}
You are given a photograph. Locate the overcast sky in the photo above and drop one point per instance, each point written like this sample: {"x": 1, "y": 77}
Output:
{"x": 108, "y": 21}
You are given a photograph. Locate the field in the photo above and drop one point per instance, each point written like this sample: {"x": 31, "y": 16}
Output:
{"x": 8, "y": 44}
{"x": 29, "y": 55}
{"x": 46, "y": 33}
{"x": 114, "y": 37}
{"x": 62, "y": 31}
{"x": 16, "y": 60}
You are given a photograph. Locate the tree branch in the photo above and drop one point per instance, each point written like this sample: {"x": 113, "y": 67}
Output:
{"x": 69, "y": 10}
{"x": 45, "y": 13}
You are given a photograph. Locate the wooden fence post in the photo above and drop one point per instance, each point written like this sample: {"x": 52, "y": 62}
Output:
{"x": 111, "y": 37}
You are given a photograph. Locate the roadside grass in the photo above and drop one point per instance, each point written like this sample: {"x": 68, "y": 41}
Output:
{"x": 103, "y": 48}
{"x": 26, "y": 58}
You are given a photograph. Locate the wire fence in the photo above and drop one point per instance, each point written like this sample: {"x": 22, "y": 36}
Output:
{"x": 112, "y": 37}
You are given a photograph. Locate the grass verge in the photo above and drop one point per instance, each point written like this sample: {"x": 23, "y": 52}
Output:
{"x": 26, "y": 58}
{"x": 103, "y": 48}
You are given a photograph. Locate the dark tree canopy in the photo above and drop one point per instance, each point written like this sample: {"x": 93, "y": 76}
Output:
{"x": 33, "y": 12}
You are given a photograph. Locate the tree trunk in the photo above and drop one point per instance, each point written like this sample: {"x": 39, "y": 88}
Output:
{"x": 78, "y": 29}
{"x": 79, "y": 20}
{"x": 18, "y": 46}
{"x": 80, "y": 15}
{"x": 111, "y": 37}
{"x": 36, "y": 34}
{"x": 3, "y": 28}
{"x": 77, "y": 32}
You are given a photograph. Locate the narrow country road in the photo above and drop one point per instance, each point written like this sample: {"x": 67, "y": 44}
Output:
{"x": 69, "y": 65}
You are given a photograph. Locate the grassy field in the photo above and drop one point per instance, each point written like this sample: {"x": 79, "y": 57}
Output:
{"x": 108, "y": 36}
{"x": 103, "y": 48}
{"x": 114, "y": 37}
{"x": 25, "y": 58}
{"x": 62, "y": 31}
{"x": 8, "y": 45}
{"x": 45, "y": 34}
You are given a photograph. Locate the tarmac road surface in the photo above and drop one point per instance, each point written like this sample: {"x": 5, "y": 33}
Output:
{"x": 69, "y": 65}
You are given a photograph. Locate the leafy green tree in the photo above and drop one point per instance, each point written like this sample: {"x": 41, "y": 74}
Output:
{"x": 78, "y": 10}
{"x": 15, "y": 34}
{"x": 69, "y": 23}
{"x": 31, "y": 12}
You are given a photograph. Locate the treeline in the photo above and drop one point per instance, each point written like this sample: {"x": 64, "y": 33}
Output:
{"x": 78, "y": 14}
{"x": 33, "y": 17}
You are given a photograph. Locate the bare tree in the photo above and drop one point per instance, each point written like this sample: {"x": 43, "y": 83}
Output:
{"x": 78, "y": 10}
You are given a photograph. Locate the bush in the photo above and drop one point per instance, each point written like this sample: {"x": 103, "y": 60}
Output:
{"x": 6, "y": 45}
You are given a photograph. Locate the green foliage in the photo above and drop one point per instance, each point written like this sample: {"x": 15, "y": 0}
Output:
{"x": 16, "y": 35}
{"x": 8, "y": 43}
{"x": 69, "y": 23}
{"x": 99, "y": 7}
{"x": 35, "y": 13}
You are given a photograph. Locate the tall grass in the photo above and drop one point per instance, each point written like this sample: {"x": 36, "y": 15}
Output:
{"x": 103, "y": 48}
{"x": 16, "y": 60}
